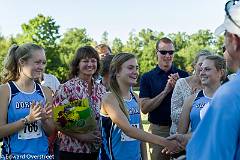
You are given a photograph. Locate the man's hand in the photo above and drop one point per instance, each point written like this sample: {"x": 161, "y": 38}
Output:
{"x": 172, "y": 79}
{"x": 172, "y": 147}
{"x": 181, "y": 139}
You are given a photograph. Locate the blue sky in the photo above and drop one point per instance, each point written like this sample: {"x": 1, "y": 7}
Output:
{"x": 118, "y": 18}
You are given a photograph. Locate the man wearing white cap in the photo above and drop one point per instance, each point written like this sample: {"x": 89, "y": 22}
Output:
{"x": 218, "y": 134}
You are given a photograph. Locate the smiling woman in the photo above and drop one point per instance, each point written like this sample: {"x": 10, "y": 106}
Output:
{"x": 24, "y": 111}
{"x": 122, "y": 133}
{"x": 81, "y": 85}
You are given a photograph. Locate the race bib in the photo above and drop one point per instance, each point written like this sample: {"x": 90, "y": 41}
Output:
{"x": 124, "y": 137}
{"x": 31, "y": 131}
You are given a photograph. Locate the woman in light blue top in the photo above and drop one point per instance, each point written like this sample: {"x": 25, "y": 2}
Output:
{"x": 24, "y": 110}
{"x": 212, "y": 72}
{"x": 184, "y": 88}
{"x": 120, "y": 115}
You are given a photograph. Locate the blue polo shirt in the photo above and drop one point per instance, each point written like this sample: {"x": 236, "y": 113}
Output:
{"x": 151, "y": 84}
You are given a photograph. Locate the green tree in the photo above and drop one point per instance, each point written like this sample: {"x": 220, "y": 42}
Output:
{"x": 70, "y": 42}
{"x": 202, "y": 38}
{"x": 219, "y": 42}
{"x": 4, "y": 46}
{"x": 43, "y": 31}
{"x": 117, "y": 46}
{"x": 104, "y": 39}
{"x": 180, "y": 40}
{"x": 147, "y": 54}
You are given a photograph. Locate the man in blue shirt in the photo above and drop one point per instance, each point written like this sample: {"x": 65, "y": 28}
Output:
{"x": 218, "y": 134}
{"x": 156, "y": 88}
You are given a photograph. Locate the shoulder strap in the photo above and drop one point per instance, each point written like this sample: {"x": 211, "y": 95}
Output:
{"x": 131, "y": 92}
{"x": 39, "y": 90}
{"x": 199, "y": 95}
{"x": 13, "y": 90}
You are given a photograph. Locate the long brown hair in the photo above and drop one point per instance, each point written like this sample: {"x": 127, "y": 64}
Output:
{"x": 115, "y": 67}
{"x": 11, "y": 69}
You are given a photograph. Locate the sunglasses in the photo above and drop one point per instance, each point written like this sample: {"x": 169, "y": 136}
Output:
{"x": 228, "y": 5}
{"x": 165, "y": 52}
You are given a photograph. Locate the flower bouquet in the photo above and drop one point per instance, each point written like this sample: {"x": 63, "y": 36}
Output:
{"x": 75, "y": 116}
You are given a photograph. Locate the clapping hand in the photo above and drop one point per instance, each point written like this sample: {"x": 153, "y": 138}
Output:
{"x": 35, "y": 113}
{"x": 46, "y": 112}
{"x": 172, "y": 79}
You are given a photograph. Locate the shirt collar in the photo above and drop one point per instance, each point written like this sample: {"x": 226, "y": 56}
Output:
{"x": 172, "y": 69}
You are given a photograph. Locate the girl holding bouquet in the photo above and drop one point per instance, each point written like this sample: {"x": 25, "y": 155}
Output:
{"x": 84, "y": 70}
{"x": 122, "y": 134}
{"x": 24, "y": 111}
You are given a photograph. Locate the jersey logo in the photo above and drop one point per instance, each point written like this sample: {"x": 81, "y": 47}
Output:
{"x": 22, "y": 105}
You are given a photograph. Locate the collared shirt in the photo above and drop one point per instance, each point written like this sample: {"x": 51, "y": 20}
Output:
{"x": 77, "y": 89}
{"x": 218, "y": 134}
{"x": 151, "y": 84}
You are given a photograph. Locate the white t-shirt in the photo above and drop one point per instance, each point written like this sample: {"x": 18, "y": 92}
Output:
{"x": 50, "y": 81}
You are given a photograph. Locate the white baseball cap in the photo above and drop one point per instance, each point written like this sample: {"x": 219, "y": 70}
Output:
{"x": 228, "y": 25}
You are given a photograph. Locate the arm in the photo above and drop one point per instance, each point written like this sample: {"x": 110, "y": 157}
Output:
{"x": 47, "y": 120}
{"x": 111, "y": 107}
{"x": 176, "y": 105}
{"x": 148, "y": 104}
{"x": 181, "y": 139}
{"x": 185, "y": 116}
{"x": 7, "y": 129}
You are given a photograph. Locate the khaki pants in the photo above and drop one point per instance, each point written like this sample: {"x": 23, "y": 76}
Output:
{"x": 155, "y": 150}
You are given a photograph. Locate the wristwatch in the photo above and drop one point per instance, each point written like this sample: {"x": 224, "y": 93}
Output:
{"x": 25, "y": 120}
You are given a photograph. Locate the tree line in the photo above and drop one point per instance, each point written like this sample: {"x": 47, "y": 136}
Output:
{"x": 44, "y": 31}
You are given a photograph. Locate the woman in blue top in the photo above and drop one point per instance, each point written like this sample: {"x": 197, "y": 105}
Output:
{"x": 213, "y": 71}
{"x": 24, "y": 109}
{"x": 120, "y": 115}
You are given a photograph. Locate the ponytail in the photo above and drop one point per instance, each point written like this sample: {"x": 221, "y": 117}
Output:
{"x": 11, "y": 69}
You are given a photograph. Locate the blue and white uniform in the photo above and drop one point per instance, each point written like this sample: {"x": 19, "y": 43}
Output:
{"x": 116, "y": 145}
{"x": 31, "y": 140}
{"x": 201, "y": 102}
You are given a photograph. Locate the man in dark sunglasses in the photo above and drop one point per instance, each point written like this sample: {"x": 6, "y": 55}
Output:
{"x": 156, "y": 88}
{"x": 218, "y": 134}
